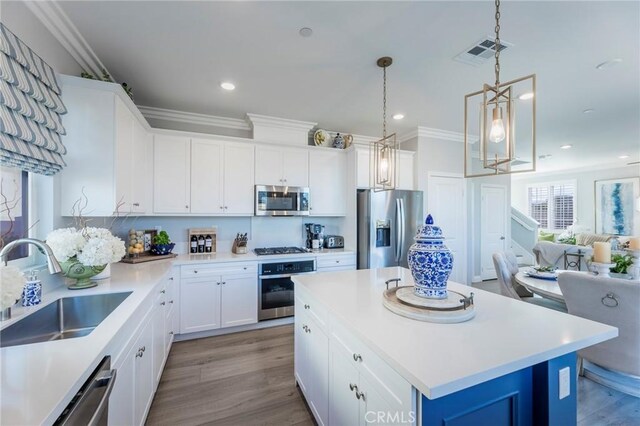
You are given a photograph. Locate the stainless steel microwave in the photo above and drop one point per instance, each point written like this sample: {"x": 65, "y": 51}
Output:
{"x": 282, "y": 201}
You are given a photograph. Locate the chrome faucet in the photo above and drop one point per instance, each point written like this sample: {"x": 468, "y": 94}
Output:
{"x": 52, "y": 262}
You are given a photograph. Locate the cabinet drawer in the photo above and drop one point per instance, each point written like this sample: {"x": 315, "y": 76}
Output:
{"x": 311, "y": 309}
{"x": 207, "y": 269}
{"x": 336, "y": 260}
{"x": 388, "y": 383}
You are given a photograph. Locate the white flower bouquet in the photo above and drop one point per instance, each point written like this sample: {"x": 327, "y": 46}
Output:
{"x": 90, "y": 246}
{"x": 11, "y": 284}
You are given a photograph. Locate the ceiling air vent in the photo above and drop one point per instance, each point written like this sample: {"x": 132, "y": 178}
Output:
{"x": 481, "y": 51}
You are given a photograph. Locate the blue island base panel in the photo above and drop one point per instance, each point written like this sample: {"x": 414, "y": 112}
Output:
{"x": 528, "y": 397}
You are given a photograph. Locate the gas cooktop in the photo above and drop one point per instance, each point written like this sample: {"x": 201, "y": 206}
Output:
{"x": 280, "y": 250}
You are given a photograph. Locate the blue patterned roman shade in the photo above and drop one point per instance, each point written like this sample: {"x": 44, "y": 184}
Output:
{"x": 30, "y": 109}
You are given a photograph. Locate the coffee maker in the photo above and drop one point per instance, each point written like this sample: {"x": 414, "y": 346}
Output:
{"x": 315, "y": 236}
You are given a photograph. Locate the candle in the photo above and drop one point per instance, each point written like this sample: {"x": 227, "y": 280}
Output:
{"x": 634, "y": 243}
{"x": 602, "y": 252}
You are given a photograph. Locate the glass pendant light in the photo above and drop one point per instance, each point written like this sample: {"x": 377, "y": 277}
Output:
{"x": 383, "y": 153}
{"x": 496, "y": 106}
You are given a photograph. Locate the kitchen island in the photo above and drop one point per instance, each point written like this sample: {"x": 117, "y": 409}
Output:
{"x": 356, "y": 362}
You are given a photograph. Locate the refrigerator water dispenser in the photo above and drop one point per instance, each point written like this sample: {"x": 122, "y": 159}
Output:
{"x": 383, "y": 233}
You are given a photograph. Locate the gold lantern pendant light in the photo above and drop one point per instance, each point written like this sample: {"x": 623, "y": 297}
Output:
{"x": 383, "y": 153}
{"x": 496, "y": 152}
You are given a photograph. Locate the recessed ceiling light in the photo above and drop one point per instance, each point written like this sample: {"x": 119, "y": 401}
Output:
{"x": 567, "y": 146}
{"x": 226, "y": 85}
{"x": 398, "y": 116}
{"x": 622, "y": 157}
{"x": 525, "y": 96}
{"x": 588, "y": 111}
{"x": 305, "y": 32}
{"x": 608, "y": 64}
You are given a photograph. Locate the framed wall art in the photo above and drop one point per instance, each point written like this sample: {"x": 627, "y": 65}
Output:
{"x": 616, "y": 204}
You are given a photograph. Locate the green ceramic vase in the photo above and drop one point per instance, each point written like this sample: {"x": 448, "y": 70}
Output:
{"x": 73, "y": 269}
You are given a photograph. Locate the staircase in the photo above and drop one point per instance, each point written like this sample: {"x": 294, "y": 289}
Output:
{"x": 524, "y": 235}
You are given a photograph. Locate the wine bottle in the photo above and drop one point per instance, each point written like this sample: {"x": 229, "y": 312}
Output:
{"x": 200, "y": 244}
{"x": 194, "y": 244}
{"x": 208, "y": 243}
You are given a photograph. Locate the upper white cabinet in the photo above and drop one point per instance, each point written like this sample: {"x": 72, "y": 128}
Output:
{"x": 404, "y": 175}
{"x": 171, "y": 168}
{"x": 202, "y": 176}
{"x": 108, "y": 147}
{"x": 282, "y": 166}
{"x": 327, "y": 182}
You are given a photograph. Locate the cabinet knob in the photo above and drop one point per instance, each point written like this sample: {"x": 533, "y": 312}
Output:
{"x": 217, "y": 283}
{"x": 225, "y": 207}
{"x": 163, "y": 291}
{"x": 186, "y": 206}
{"x": 170, "y": 278}
{"x": 224, "y": 282}
{"x": 136, "y": 204}
{"x": 139, "y": 354}
{"x": 170, "y": 301}
{"x": 285, "y": 180}
{"x": 305, "y": 328}
{"x": 162, "y": 303}
{"x": 171, "y": 333}
{"x": 144, "y": 348}
{"x": 360, "y": 395}
{"x": 352, "y": 386}
{"x": 306, "y": 306}
{"x": 337, "y": 261}
{"x": 221, "y": 207}
{"x": 357, "y": 357}
{"x": 195, "y": 271}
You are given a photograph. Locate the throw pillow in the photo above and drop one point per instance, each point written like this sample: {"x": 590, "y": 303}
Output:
{"x": 589, "y": 239}
{"x": 546, "y": 236}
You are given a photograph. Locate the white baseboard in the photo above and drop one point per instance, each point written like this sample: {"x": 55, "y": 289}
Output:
{"x": 221, "y": 331}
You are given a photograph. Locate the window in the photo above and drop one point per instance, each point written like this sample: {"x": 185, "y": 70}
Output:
{"x": 552, "y": 205}
{"x": 14, "y": 209}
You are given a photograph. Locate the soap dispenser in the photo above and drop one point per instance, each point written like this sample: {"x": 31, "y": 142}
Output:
{"x": 32, "y": 293}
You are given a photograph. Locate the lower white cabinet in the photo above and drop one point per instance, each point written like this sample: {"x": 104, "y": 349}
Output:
{"x": 336, "y": 262}
{"x": 312, "y": 362}
{"x": 218, "y": 296}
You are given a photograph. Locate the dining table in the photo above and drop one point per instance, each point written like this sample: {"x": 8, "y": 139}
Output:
{"x": 544, "y": 287}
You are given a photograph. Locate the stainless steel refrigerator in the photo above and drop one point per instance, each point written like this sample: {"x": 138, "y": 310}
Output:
{"x": 387, "y": 223}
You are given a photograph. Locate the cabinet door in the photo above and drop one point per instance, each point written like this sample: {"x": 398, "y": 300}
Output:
{"x": 238, "y": 179}
{"x": 363, "y": 171}
{"x": 295, "y": 167}
{"x": 300, "y": 347}
{"x": 206, "y": 176}
{"x": 344, "y": 407}
{"x": 122, "y": 399}
{"x": 268, "y": 166}
{"x": 239, "y": 304}
{"x": 171, "y": 166}
{"x": 405, "y": 170}
{"x": 159, "y": 338}
{"x": 124, "y": 147}
{"x": 375, "y": 408}
{"x": 199, "y": 304}
{"x": 144, "y": 379}
{"x": 327, "y": 183}
{"x": 142, "y": 184}
{"x": 318, "y": 373}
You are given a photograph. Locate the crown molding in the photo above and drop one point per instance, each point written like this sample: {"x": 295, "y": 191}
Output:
{"x": 432, "y": 133}
{"x": 193, "y": 118}
{"x": 60, "y": 26}
{"x": 283, "y": 123}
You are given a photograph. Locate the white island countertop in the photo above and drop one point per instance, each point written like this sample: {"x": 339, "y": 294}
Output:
{"x": 38, "y": 380}
{"x": 506, "y": 335}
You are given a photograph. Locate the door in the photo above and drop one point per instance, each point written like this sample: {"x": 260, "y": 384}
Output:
{"x": 171, "y": 174}
{"x": 238, "y": 179}
{"x": 268, "y": 166}
{"x": 295, "y": 167}
{"x": 206, "y": 176}
{"x": 121, "y": 401}
{"x": 493, "y": 227}
{"x": 239, "y": 304}
{"x": 199, "y": 304}
{"x": 446, "y": 203}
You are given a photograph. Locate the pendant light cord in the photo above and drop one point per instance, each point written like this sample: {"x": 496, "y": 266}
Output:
{"x": 384, "y": 102}
{"x": 497, "y": 47}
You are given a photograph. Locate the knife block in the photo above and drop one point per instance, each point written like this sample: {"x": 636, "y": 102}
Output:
{"x": 239, "y": 249}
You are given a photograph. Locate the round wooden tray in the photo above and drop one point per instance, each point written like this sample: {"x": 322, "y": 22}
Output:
{"x": 456, "y": 308}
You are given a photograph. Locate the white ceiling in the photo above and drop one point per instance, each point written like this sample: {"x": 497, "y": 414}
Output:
{"x": 175, "y": 54}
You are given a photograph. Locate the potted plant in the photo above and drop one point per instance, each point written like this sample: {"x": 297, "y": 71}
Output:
{"x": 162, "y": 244}
{"x": 622, "y": 263}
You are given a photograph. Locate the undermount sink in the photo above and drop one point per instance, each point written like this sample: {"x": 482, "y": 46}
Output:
{"x": 66, "y": 318}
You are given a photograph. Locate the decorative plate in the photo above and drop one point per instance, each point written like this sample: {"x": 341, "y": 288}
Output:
{"x": 321, "y": 137}
{"x": 542, "y": 275}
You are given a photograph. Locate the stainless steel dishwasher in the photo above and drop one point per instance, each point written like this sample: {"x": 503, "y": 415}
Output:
{"x": 90, "y": 406}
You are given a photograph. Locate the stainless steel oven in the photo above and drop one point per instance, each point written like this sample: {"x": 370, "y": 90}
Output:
{"x": 281, "y": 201}
{"x": 276, "y": 292}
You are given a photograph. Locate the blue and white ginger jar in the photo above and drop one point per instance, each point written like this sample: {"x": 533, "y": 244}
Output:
{"x": 430, "y": 262}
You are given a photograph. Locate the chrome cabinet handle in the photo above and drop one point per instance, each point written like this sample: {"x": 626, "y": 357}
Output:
{"x": 217, "y": 283}
{"x": 306, "y": 306}
{"x": 136, "y": 204}
{"x": 360, "y": 395}
{"x": 170, "y": 278}
{"x": 337, "y": 261}
{"x": 163, "y": 292}
{"x": 170, "y": 301}
{"x": 144, "y": 348}
{"x": 162, "y": 303}
{"x": 186, "y": 206}
{"x": 304, "y": 327}
{"x": 224, "y": 282}
{"x": 357, "y": 357}
{"x": 352, "y": 387}
{"x": 139, "y": 354}
{"x": 195, "y": 271}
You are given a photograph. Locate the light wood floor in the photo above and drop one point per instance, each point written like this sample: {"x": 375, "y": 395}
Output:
{"x": 236, "y": 379}
{"x": 247, "y": 379}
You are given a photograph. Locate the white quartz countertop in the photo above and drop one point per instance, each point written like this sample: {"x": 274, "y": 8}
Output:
{"x": 188, "y": 259}
{"x": 506, "y": 335}
{"x": 38, "y": 380}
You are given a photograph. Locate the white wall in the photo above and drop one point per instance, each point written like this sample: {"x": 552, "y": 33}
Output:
{"x": 585, "y": 203}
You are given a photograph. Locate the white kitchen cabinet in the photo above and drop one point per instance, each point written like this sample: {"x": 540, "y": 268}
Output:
{"x": 404, "y": 176}
{"x": 107, "y": 144}
{"x": 171, "y": 318}
{"x": 345, "y": 408}
{"x": 327, "y": 183}
{"x": 215, "y": 296}
{"x": 122, "y": 400}
{"x": 143, "y": 374}
{"x": 312, "y": 362}
{"x": 171, "y": 174}
{"x": 159, "y": 333}
{"x": 238, "y": 179}
{"x": 282, "y": 166}
{"x": 336, "y": 262}
{"x": 207, "y": 162}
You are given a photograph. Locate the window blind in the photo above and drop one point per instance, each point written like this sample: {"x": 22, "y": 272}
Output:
{"x": 539, "y": 205}
{"x": 553, "y": 206}
{"x": 30, "y": 109}
{"x": 563, "y": 205}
